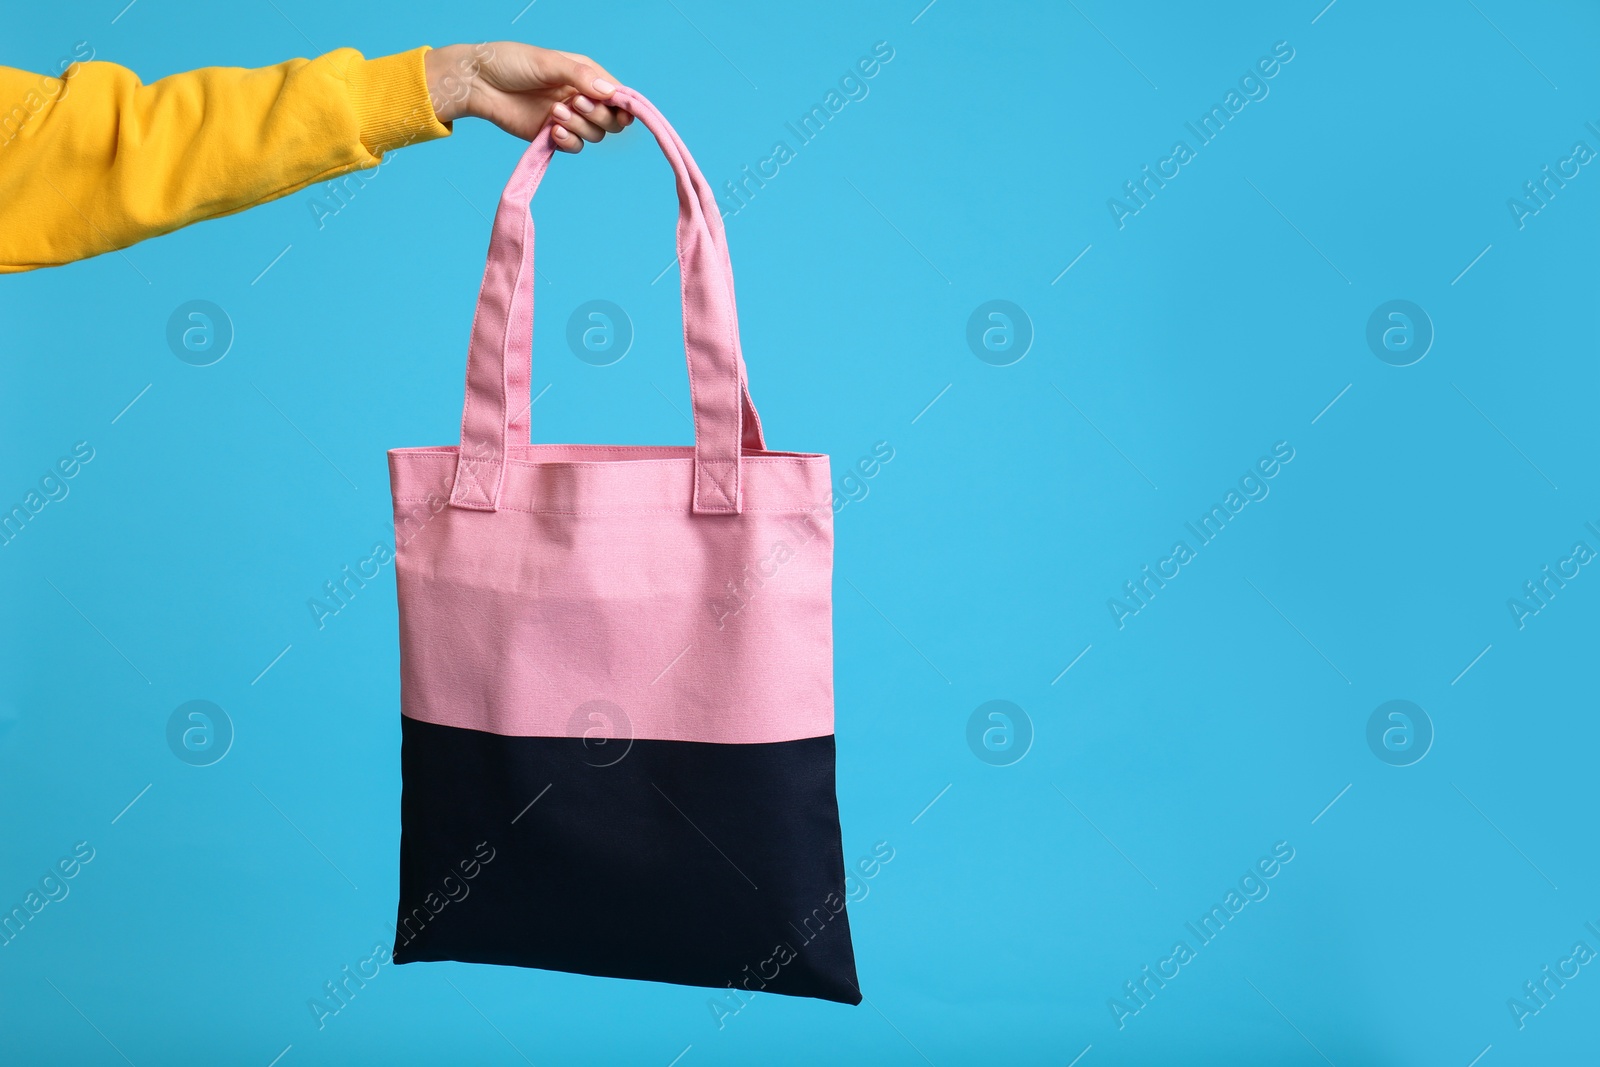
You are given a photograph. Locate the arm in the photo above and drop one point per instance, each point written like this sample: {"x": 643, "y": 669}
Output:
{"x": 96, "y": 161}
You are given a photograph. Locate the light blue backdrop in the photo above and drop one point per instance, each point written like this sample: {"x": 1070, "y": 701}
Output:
{"x": 1439, "y": 862}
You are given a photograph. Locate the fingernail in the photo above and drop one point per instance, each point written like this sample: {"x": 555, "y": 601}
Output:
{"x": 603, "y": 87}
{"x": 561, "y": 111}
{"x": 558, "y": 133}
{"x": 583, "y": 104}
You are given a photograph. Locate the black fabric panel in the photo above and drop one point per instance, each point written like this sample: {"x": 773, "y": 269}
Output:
{"x": 670, "y": 861}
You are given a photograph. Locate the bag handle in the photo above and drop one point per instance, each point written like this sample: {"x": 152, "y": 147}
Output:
{"x": 496, "y": 415}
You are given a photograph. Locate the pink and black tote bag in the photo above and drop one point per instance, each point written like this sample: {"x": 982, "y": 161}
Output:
{"x": 617, "y": 665}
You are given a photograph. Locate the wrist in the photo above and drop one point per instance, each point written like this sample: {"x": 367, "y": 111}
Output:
{"x": 451, "y": 72}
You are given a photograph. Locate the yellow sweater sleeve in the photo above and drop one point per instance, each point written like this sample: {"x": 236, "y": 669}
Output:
{"x": 97, "y": 161}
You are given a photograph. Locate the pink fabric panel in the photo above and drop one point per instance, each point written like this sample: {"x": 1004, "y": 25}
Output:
{"x": 594, "y": 581}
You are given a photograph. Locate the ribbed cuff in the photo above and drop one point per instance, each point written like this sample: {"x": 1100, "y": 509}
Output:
{"x": 390, "y": 97}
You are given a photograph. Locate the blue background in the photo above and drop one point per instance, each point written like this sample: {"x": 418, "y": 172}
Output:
{"x": 1228, "y": 715}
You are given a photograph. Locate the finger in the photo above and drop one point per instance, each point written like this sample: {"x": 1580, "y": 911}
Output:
{"x": 581, "y": 73}
{"x": 567, "y": 142}
{"x": 607, "y": 118}
{"x": 576, "y": 123}
{"x": 595, "y": 91}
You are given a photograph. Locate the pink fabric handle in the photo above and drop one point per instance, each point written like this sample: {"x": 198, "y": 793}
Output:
{"x": 495, "y": 415}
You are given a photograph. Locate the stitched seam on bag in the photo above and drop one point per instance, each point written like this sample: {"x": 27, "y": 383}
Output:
{"x": 468, "y": 465}
{"x": 623, "y": 465}
{"x": 472, "y": 491}
{"x": 738, "y": 377}
{"x": 534, "y": 179}
{"x": 804, "y": 459}
{"x": 477, "y": 305}
{"x": 718, "y": 482}
{"x": 492, "y": 497}
{"x": 797, "y": 510}
{"x": 505, "y": 345}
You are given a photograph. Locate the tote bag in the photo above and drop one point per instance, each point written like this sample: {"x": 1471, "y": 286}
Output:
{"x": 616, "y": 665}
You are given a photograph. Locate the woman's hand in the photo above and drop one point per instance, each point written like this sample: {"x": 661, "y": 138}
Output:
{"x": 520, "y": 88}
